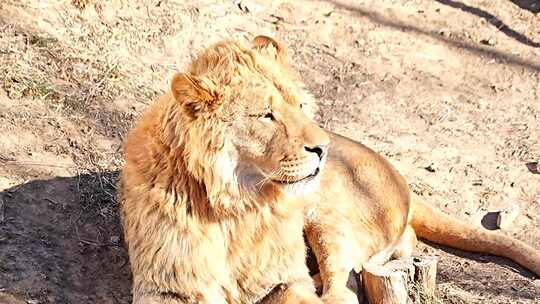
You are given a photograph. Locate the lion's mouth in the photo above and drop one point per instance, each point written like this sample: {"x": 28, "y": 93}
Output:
{"x": 304, "y": 179}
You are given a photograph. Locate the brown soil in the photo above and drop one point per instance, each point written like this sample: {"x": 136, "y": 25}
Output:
{"x": 448, "y": 90}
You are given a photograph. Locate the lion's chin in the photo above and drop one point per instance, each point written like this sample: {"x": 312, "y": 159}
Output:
{"x": 303, "y": 186}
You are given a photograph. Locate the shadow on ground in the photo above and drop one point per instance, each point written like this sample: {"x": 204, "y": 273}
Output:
{"x": 496, "y": 22}
{"x": 61, "y": 241}
{"x": 468, "y": 275}
{"x": 378, "y": 18}
{"x": 532, "y": 6}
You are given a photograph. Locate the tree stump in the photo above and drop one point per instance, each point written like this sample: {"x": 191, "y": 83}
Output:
{"x": 425, "y": 275}
{"x": 395, "y": 281}
{"x": 385, "y": 284}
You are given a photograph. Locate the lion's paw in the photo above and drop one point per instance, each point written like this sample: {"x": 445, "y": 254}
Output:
{"x": 342, "y": 296}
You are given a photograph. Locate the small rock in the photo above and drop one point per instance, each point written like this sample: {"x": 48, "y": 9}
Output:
{"x": 489, "y": 41}
{"x": 115, "y": 239}
{"x": 431, "y": 168}
{"x": 477, "y": 182}
{"x": 248, "y": 6}
{"x": 534, "y": 167}
{"x": 505, "y": 218}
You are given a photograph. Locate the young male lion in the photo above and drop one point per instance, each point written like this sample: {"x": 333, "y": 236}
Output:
{"x": 218, "y": 175}
{"x": 207, "y": 208}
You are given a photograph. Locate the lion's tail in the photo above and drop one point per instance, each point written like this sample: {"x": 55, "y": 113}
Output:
{"x": 433, "y": 225}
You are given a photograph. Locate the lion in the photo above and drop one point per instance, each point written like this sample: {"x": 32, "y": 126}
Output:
{"x": 207, "y": 189}
{"x": 226, "y": 172}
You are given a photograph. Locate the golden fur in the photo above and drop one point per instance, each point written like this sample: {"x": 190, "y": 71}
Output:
{"x": 364, "y": 212}
{"x": 208, "y": 212}
{"x": 220, "y": 173}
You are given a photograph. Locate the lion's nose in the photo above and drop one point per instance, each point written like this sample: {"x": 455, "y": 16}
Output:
{"x": 319, "y": 150}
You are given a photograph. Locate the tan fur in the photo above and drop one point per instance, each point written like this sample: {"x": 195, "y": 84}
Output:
{"x": 205, "y": 217}
{"x": 220, "y": 171}
{"x": 365, "y": 212}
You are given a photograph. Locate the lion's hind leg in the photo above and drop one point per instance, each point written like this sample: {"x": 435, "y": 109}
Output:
{"x": 406, "y": 244}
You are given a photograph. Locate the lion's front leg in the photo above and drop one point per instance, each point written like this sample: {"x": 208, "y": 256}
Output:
{"x": 293, "y": 293}
{"x": 301, "y": 294}
{"x": 334, "y": 257}
{"x": 158, "y": 299}
{"x": 207, "y": 296}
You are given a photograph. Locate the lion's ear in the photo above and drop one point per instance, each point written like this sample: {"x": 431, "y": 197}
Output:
{"x": 196, "y": 95}
{"x": 270, "y": 47}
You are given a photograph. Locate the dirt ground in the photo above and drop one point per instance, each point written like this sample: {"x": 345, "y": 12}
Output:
{"x": 448, "y": 90}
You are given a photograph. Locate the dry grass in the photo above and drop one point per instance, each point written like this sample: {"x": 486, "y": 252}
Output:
{"x": 79, "y": 72}
{"x": 97, "y": 63}
{"x": 420, "y": 296}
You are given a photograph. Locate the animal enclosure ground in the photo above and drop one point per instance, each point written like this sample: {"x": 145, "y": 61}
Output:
{"x": 448, "y": 90}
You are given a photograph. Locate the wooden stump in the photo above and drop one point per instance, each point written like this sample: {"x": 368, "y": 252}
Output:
{"x": 393, "y": 282}
{"x": 388, "y": 284}
{"x": 426, "y": 273}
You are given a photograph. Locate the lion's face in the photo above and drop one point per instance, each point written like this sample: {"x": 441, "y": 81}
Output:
{"x": 274, "y": 136}
{"x": 261, "y": 110}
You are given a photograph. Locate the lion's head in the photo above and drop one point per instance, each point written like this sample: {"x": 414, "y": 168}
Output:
{"x": 246, "y": 123}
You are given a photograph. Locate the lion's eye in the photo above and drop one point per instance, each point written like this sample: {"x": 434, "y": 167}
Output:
{"x": 269, "y": 115}
{"x": 266, "y": 117}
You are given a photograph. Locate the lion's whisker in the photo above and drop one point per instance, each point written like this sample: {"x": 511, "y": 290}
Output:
{"x": 266, "y": 178}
